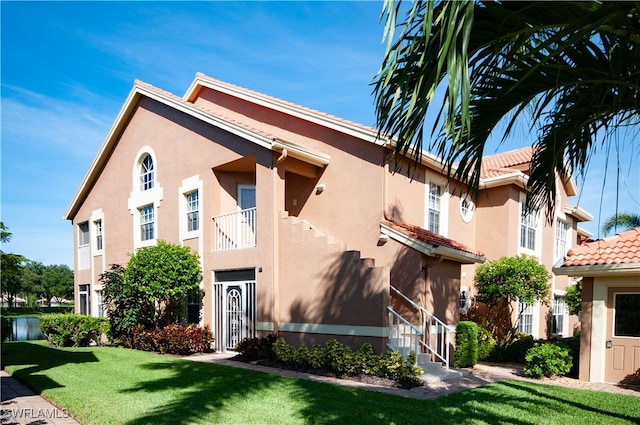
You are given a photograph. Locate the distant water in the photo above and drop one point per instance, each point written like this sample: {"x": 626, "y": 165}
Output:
{"x": 25, "y": 329}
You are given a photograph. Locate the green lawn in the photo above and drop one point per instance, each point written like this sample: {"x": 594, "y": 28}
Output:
{"x": 117, "y": 386}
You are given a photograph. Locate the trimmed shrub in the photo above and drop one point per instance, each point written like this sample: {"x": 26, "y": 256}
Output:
{"x": 73, "y": 330}
{"x": 486, "y": 343}
{"x": 174, "y": 339}
{"x": 466, "y": 354}
{"x": 548, "y": 359}
{"x": 340, "y": 359}
{"x": 257, "y": 348}
{"x": 512, "y": 351}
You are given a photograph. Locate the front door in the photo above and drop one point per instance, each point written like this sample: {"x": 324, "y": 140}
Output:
{"x": 622, "y": 357}
{"x": 234, "y": 309}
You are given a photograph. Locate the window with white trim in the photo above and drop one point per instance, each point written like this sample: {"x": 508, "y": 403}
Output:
{"x": 528, "y": 224}
{"x": 98, "y": 230}
{"x": 467, "y": 207}
{"x": 525, "y": 318}
{"x": 84, "y": 299}
{"x": 193, "y": 211}
{"x": 147, "y": 231}
{"x": 560, "y": 316}
{"x": 434, "y": 205}
{"x": 146, "y": 173}
{"x": 84, "y": 250}
{"x": 561, "y": 239}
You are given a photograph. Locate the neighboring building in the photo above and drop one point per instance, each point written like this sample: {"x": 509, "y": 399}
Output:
{"x": 610, "y": 336}
{"x": 501, "y": 229}
{"x": 301, "y": 223}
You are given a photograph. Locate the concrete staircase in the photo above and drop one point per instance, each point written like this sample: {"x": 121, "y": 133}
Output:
{"x": 435, "y": 371}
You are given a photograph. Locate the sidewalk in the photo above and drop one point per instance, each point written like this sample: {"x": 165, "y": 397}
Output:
{"x": 21, "y": 406}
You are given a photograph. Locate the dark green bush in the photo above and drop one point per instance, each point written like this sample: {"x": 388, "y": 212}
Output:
{"x": 466, "y": 354}
{"x": 548, "y": 359}
{"x": 257, "y": 348}
{"x": 486, "y": 343}
{"x": 174, "y": 339}
{"x": 341, "y": 359}
{"x": 73, "y": 330}
{"x": 512, "y": 351}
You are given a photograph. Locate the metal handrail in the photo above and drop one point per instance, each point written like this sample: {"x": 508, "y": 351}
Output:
{"x": 432, "y": 327}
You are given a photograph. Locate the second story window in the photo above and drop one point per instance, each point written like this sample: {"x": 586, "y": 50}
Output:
{"x": 528, "y": 223}
{"x": 146, "y": 173}
{"x": 146, "y": 223}
{"x": 561, "y": 239}
{"x": 193, "y": 206}
{"x": 434, "y": 207}
{"x": 83, "y": 235}
{"x": 98, "y": 227}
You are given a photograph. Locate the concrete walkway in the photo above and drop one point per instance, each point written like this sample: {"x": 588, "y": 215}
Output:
{"x": 22, "y": 406}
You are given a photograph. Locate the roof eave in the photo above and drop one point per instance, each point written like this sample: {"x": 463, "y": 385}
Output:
{"x": 430, "y": 250}
{"x": 599, "y": 270}
{"x": 579, "y": 213}
{"x": 518, "y": 178}
{"x": 352, "y": 129}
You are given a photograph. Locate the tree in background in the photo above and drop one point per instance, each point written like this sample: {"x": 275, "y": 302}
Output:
{"x": 625, "y": 221}
{"x": 52, "y": 282}
{"x": 570, "y": 69}
{"x": 11, "y": 267}
{"x": 165, "y": 273}
{"x": 573, "y": 298}
{"x": 502, "y": 283}
{"x": 5, "y": 234}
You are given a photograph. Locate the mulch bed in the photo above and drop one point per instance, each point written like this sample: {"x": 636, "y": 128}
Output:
{"x": 367, "y": 379}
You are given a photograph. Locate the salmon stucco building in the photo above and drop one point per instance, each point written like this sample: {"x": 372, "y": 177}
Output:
{"x": 302, "y": 226}
{"x": 610, "y": 336}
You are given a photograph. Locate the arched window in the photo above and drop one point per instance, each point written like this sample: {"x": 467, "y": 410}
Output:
{"x": 146, "y": 173}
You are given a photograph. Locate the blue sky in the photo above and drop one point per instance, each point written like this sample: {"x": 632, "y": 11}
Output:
{"x": 67, "y": 68}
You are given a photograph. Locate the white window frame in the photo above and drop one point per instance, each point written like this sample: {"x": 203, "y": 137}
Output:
{"x": 148, "y": 221}
{"x": 442, "y": 209}
{"x": 84, "y": 246}
{"x": 530, "y": 326}
{"x": 98, "y": 225}
{"x": 559, "y": 309}
{"x": 84, "y": 289}
{"x": 467, "y": 208}
{"x": 529, "y": 223}
{"x": 561, "y": 239}
{"x": 147, "y": 172}
{"x": 190, "y": 185}
{"x": 193, "y": 210}
{"x": 139, "y": 199}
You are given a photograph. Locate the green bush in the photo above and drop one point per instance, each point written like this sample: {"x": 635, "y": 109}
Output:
{"x": 486, "y": 343}
{"x": 340, "y": 359}
{"x": 73, "y": 330}
{"x": 257, "y": 348}
{"x": 466, "y": 354}
{"x": 174, "y": 339}
{"x": 512, "y": 351}
{"x": 548, "y": 359}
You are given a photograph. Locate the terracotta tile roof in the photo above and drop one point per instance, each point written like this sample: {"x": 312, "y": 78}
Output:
{"x": 623, "y": 248}
{"x": 207, "y": 111}
{"x": 502, "y": 163}
{"x": 430, "y": 238}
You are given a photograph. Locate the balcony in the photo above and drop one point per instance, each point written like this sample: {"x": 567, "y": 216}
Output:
{"x": 235, "y": 230}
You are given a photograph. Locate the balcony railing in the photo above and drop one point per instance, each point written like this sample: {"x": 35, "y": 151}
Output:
{"x": 235, "y": 230}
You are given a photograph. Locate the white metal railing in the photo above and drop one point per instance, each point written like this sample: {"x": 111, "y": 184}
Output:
{"x": 235, "y": 230}
{"x": 432, "y": 334}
